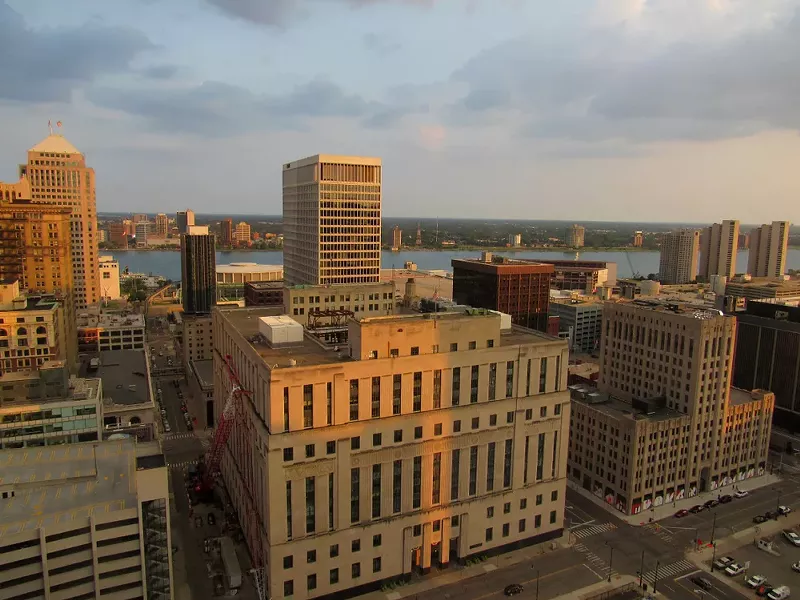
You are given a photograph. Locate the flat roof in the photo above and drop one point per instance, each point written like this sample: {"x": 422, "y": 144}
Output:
{"x": 347, "y": 287}
{"x": 779, "y": 285}
{"x": 334, "y": 158}
{"x": 676, "y": 307}
{"x": 110, "y": 320}
{"x": 264, "y": 285}
{"x": 248, "y": 267}
{"x": 56, "y": 484}
{"x": 120, "y": 369}
{"x": 204, "y": 369}
{"x": 502, "y": 263}
{"x": 37, "y": 302}
{"x": 616, "y": 408}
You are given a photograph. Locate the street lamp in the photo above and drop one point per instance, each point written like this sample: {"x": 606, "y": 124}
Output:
{"x": 537, "y": 581}
{"x": 713, "y": 555}
{"x": 610, "y": 560}
{"x": 713, "y": 526}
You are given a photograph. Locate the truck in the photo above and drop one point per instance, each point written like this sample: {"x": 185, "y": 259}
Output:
{"x": 230, "y": 563}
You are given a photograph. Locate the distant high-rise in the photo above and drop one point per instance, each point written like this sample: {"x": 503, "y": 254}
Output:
{"x": 184, "y": 219}
{"x": 515, "y": 240}
{"x": 575, "y": 236}
{"x": 56, "y": 174}
{"x": 679, "y": 250}
{"x": 143, "y": 230}
{"x": 638, "y": 239}
{"x": 198, "y": 270}
{"x": 226, "y": 232}
{"x": 768, "y": 248}
{"x": 242, "y": 232}
{"x": 162, "y": 225}
{"x": 718, "y": 246}
{"x": 418, "y": 241}
{"x": 117, "y": 234}
{"x": 139, "y": 218}
{"x": 332, "y": 220}
{"x": 397, "y": 238}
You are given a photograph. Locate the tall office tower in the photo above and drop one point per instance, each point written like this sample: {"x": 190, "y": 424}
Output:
{"x": 418, "y": 241}
{"x": 242, "y": 232}
{"x": 139, "y": 218}
{"x": 56, "y": 174}
{"x": 718, "y": 246}
{"x": 118, "y": 235}
{"x": 184, "y": 219}
{"x": 576, "y": 235}
{"x": 332, "y": 220}
{"x": 769, "y": 245}
{"x": 162, "y": 225}
{"x": 638, "y": 239}
{"x": 117, "y": 541}
{"x": 198, "y": 270}
{"x": 517, "y": 287}
{"x": 430, "y": 438}
{"x": 397, "y": 238}
{"x": 143, "y": 230}
{"x": 666, "y": 382}
{"x": 678, "y": 261}
{"x": 226, "y": 232}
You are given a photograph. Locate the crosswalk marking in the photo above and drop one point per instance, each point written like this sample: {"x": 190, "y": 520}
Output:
{"x": 659, "y": 531}
{"x": 179, "y": 435}
{"x": 597, "y": 563}
{"x": 585, "y": 532}
{"x": 669, "y": 571}
{"x": 182, "y": 465}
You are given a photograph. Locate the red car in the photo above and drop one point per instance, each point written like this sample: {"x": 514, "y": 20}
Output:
{"x": 681, "y": 513}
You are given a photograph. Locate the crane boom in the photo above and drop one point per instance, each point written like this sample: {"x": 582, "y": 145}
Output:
{"x": 226, "y": 421}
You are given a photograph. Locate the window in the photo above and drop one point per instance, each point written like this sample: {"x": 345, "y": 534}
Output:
{"x": 506, "y": 508}
{"x": 473, "y": 385}
{"x": 510, "y": 416}
{"x": 490, "y": 467}
{"x": 414, "y": 350}
{"x": 490, "y": 512}
{"x": 538, "y": 499}
{"x": 330, "y": 447}
{"x": 418, "y": 432}
{"x": 289, "y": 509}
{"x": 521, "y": 525}
{"x": 310, "y": 505}
{"x": 492, "y": 420}
{"x": 376, "y": 439}
{"x": 311, "y": 556}
{"x": 310, "y": 448}
{"x": 356, "y": 570}
{"x": 397, "y": 394}
{"x": 540, "y": 457}
{"x": 552, "y": 516}
{"x": 492, "y": 381}
{"x": 537, "y": 521}
{"x": 437, "y": 429}
{"x": 334, "y": 551}
{"x": 355, "y": 490}
{"x": 488, "y": 534}
{"x": 376, "y": 491}
{"x": 288, "y": 454}
{"x": 505, "y": 529}
{"x": 398, "y": 436}
{"x": 354, "y": 399}
{"x": 417, "y": 397}
{"x": 329, "y": 402}
{"x": 437, "y": 478}
{"x": 456, "y": 398}
{"x": 507, "y": 464}
{"x": 455, "y": 470}
{"x": 376, "y": 397}
{"x": 397, "y": 485}
{"x": 288, "y": 562}
{"x": 355, "y": 443}
{"x": 528, "y": 414}
{"x": 394, "y": 352}
{"x": 437, "y": 389}
{"x": 417, "y": 483}
{"x": 334, "y": 577}
{"x": 523, "y": 503}
{"x": 330, "y": 501}
{"x": 476, "y": 422}
{"x": 543, "y": 376}
{"x": 454, "y": 347}
{"x": 288, "y": 588}
{"x": 376, "y": 540}
{"x": 308, "y": 405}
{"x": 286, "y": 409}
{"x": 473, "y": 470}
{"x": 509, "y": 379}
{"x": 557, "y": 409}
{"x": 355, "y": 546}
{"x": 456, "y": 426}
{"x": 376, "y": 564}
{"x": 312, "y": 582}
{"x": 543, "y": 412}
{"x": 553, "y": 495}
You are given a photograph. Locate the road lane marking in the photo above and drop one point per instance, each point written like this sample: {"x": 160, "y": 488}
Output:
{"x": 695, "y": 572}
{"x": 581, "y": 524}
{"x": 594, "y": 530}
{"x": 545, "y": 576}
{"x": 593, "y": 571}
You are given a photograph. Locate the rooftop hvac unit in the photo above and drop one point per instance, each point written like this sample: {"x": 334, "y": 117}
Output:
{"x": 280, "y": 330}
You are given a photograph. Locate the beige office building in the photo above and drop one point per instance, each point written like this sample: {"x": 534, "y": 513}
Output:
{"x": 576, "y": 235}
{"x": 304, "y": 303}
{"x": 679, "y": 255}
{"x": 719, "y": 244}
{"x": 242, "y": 232}
{"x": 665, "y": 423}
{"x": 162, "y": 225}
{"x": 769, "y": 246}
{"x": 56, "y": 174}
{"x": 98, "y": 529}
{"x": 428, "y": 439}
{"x": 332, "y": 220}
{"x": 397, "y": 238}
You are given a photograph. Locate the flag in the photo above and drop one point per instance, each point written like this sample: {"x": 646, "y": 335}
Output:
{"x": 58, "y": 123}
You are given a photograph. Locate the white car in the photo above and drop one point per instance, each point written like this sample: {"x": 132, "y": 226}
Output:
{"x": 741, "y": 493}
{"x": 755, "y": 581}
{"x": 796, "y": 567}
{"x": 791, "y": 537}
{"x": 784, "y": 510}
{"x": 734, "y": 569}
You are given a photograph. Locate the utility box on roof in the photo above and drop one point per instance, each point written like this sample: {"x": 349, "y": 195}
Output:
{"x": 280, "y": 330}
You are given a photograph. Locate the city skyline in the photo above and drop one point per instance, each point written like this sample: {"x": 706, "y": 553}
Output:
{"x": 586, "y": 135}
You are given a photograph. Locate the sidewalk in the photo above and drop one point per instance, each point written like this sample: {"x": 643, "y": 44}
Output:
{"x": 667, "y": 510}
{"x": 454, "y": 574}
{"x": 594, "y": 590}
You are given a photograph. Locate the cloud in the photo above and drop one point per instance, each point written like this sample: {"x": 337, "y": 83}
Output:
{"x": 381, "y": 44}
{"x": 612, "y": 84}
{"x": 47, "y": 65}
{"x": 279, "y": 13}
{"x": 160, "y": 72}
{"x": 215, "y": 109}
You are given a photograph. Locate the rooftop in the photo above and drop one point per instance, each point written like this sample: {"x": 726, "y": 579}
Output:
{"x": 124, "y": 376}
{"x": 248, "y": 267}
{"x": 740, "y": 396}
{"x": 31, "y": 303}
{"x": 265, "y": 285}
{"x": 501, "y": 263}
{"x": 779, "y": 285}
{"x": 698, "y": 311}
{"x": 54, "y": 484}
{"x": 55, "y": 143}
{"x": 204, "y": 369}
{"x": 108, "y": 320}
{"x": 616, "y": 408}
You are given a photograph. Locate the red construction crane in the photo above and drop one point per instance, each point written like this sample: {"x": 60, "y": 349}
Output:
{"x": 211, "y": 463}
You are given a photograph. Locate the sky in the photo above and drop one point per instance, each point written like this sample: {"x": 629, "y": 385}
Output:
{"x": 596, "y": 110}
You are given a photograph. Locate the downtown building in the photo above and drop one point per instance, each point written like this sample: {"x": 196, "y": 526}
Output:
{"x": 769, "y": 246}
{"x": 719, "y": 244}
{"x": 198, "y": 270}
{"x": 665, "y": 422}
{"x": 679, "y": 256}
{"x": 426, "y": 439}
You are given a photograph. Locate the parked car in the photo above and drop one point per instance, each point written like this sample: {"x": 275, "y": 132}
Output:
{"x": 791, "y": 537}
{"x": 167, "y": 427}
{"x": 758, "y": 519}
{"x": 734, "y": 569}
{"x": 681, "y": 513}
{"x": 723, "y": 562}
{"x": 711, "y": 503}
{"x": 725, "y": 499}
{"x": 701, "y": 582}
{"x": 779, "y": 593}
{"x": 513, "y": 589}
{"x": 784, "y": 510}
{"x": 763, "y": 590}
{"x": 771, "y": 514}
{"x": 697, "y": 508}
{"x": 796, "y": 567}
{"x": 741, "y": 493}
{"x": 755, "y": 581}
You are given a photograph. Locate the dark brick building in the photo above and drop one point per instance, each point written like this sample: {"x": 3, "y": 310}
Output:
{"x": 518, "y": 288}
{"x": 263, "y": 293}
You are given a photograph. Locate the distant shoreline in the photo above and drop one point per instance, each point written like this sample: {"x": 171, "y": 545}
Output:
{"x": 562, "y": 250}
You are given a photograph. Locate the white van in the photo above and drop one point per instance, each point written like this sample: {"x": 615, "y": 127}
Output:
{"x": 779, "y": 593}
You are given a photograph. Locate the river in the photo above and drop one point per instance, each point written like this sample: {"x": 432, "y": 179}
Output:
{"x": 168, "y": 264}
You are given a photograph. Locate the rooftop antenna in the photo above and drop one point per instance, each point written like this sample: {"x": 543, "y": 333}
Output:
{"x": 50, "y": 126}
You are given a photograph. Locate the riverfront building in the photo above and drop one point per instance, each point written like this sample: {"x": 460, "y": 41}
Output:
{"x": 769, "y": 246}
{"x": 679, "y": 256}
{"x": 719, "y": 244}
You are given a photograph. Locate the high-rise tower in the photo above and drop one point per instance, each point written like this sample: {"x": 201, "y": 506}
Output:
{"x": 198, "y": 270}
{"x": 678, "y": 263}
{"x": 332, "y": 220}
{"x": 718, "y": 245}
{"x": 768, "y": 248}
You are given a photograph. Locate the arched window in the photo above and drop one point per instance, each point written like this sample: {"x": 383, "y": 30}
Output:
{"x": 41, "y": 329}
{"x": 3, "y": 333}
{"x": 22, "y": 331}
{"x": 135, "y": 421}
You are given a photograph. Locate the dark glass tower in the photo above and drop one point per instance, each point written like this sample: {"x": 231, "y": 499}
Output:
{"x": 198, "y": 271}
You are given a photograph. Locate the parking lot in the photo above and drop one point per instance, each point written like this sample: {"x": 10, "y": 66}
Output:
{"x": 776, "y": 568}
